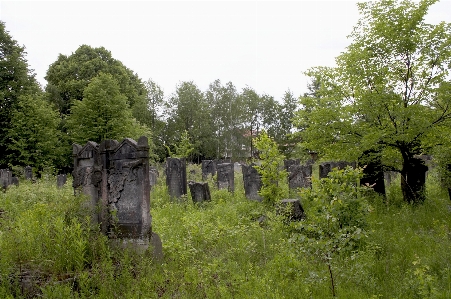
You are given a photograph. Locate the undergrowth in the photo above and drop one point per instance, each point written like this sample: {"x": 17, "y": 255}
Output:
{"x": 227, "y": 248}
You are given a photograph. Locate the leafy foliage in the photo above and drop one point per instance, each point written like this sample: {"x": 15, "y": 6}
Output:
{"x": 102, "y": 114}
{"x": 34, "y": 136}
{"x": 272, "y": 177}
{"x": 16, "y": 79}
{"x": 336, "y": 217}
{"x": 219, "y": 249}
{"x": 69, "y": 75}
{"x": 388, "y": 93}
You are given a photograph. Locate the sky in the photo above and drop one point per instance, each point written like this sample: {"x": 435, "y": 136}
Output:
{"x": 264, "y": 45}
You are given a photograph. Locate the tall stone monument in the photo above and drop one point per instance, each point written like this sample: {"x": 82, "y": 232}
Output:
{"x": 299, "y": 176}
{"x": 252, "y": 182}
{"x": 28, "y": 172}
{"x": 226, "y": 176}
{"x": 176, "y": 177}
{"x": 116, "y": 178}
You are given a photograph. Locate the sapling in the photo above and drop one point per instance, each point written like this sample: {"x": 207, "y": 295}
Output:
{"x": 336, "y": 218}
{"x": 272, "y": 176}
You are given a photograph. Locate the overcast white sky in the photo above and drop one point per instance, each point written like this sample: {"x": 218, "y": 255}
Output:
{"x": 265, "y": 45}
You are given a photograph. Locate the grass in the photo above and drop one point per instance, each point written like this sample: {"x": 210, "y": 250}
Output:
{"x": 219, "y": 249}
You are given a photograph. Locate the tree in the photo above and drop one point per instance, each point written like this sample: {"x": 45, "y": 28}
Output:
{"x": 285, "y": 137}
{"x": 252, "y": 115}
{"x": 34, "y": 138}
{"x": 16, "y": 79}
{"x": 154, "y": 116}
{"x": 389, "y": 92}
{"x": 227, "y": 118}
{"x": 272, "y": 176}
{"x": 189, "y": 111}
{"x": 102, "y": 114}
{"x": 69, "y": 75}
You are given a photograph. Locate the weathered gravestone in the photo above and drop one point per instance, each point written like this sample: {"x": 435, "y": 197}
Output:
{"x": 28, "y": 172}
{"x": 153, "y": 176}
{"x": 299, "y": 176}
{"x": 288, "y": 163}
{"x": 291, "y": 209}
{"x": 116, "y": 175}
{"x": 5, "y": 178}
{"x": 226, "y": 176}
{"x": 128, "y": 188}
{"x": 252, "y": 182}
{"x": 61, "y": 180}
{"x": 15, "y": 181}
{"x": 199, "y": 191}
{"x": 326, "y": 167}
{"x": 208, "y": 168}
{"x": 87, "y": 176}
{"x": 176, "y": 177}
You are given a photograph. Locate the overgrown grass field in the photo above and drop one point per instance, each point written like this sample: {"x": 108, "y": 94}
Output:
{"x": 227, "y": 248}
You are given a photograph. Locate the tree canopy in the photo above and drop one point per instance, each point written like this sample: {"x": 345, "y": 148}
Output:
{"x": 102, "y": 114}
{"x": 390, "y": 91}
{"x": 16, "y": 79}
{"x": 69, "y": 75}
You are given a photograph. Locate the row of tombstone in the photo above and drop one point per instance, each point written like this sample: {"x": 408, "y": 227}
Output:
{"x": 299, "y": 176}
{"x": 7, "y": 178}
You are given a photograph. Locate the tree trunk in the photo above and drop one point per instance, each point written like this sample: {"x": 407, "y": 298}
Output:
{"x": 413, "y": 180}
{"x": 373, "y": 173}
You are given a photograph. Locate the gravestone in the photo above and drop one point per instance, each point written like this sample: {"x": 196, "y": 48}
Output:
{"x": 199, "y": 191}
{"x": 326, "y": 167}
{"x": 299, "y": 176}
{"x": 87, "y": 176}
{"x": 208, "y": 168}
{"x": 153, "y": 176}
{"x": 5, "y": 178}
{"x": 288, "y": 163}
{"x": 61, "y": 180}
{"x": 389, "y": 177}
{"x": 252, "y": 182}
{"x": 116, "y": 177}
{"x": 128, "y": 188}
{"x": 15, "y": 181}
{"x": 28, "y": 173}
{"x": 226, "y": 176}
{"x": 176, "y": 177}
{"x": 291, "y": 209}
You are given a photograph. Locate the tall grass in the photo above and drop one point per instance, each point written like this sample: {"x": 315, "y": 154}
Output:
{"x": 227, "y": 248}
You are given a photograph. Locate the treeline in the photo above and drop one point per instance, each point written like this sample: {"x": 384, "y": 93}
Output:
{"x": 387, "y": 101}
{"x": 92, "y": 96}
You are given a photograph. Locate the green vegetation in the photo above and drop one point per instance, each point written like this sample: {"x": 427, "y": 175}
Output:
{"x": 223, "y": 248}
{"x": 389, "y": 94}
